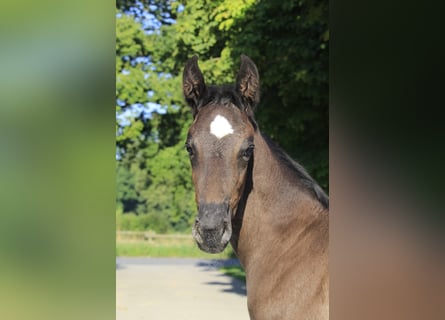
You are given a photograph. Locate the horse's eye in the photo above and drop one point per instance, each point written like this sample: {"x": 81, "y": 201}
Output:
{"x": 248, "y": 152}
{"x": 189, "y": 149}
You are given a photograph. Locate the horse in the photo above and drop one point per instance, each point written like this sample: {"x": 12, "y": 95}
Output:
{"x": 250, "y": 193}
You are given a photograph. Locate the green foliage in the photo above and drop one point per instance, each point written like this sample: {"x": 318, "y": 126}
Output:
{"x": 131, "y": 86}
{"x": 171, "y": 191}
{"x": 287, "y": 40}
{"x": 152, "y": 221}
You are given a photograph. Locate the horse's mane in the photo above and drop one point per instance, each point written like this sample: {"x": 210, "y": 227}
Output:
{"x": 300, "y": 173}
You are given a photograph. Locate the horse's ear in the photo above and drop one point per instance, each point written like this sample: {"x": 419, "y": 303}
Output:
{"x": 248, "y": 81}
{"x": 193, "y": 84}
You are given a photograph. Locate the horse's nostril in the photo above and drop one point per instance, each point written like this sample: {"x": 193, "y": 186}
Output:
{"x": 210, "y": 230}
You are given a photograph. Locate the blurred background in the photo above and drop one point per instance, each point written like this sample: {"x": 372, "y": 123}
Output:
{"x": 57, "y": 154}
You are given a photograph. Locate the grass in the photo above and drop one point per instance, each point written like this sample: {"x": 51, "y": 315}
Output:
{"x": 183, "y": 248}
{"x": 175, "y": 248}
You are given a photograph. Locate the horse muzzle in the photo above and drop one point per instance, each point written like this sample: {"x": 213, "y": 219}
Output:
{"x": 212, "y": 229}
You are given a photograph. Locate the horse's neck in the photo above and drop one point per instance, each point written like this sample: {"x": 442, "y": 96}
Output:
{"x": 279, "y": 190}
{"x": 272, "y": 206}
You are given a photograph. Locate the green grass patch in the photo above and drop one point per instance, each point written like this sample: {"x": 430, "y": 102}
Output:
{"x": 235, "y": 271}
{"x": 161, "y": 249}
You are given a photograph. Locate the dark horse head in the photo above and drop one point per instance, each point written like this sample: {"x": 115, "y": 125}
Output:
{"x": 220, "y": 144}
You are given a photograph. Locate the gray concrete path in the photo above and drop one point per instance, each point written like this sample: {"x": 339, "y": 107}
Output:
{"x": 168, "y": 288}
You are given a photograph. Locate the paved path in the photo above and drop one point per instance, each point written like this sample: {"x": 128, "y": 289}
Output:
{"x": 180, "y": 289}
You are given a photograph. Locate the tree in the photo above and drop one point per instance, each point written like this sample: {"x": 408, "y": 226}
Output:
{"x": 287, "y": 40}
{"x": 291, "y": 53}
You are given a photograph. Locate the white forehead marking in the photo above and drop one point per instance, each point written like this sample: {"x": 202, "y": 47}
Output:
{"x": 220, "y": 127}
